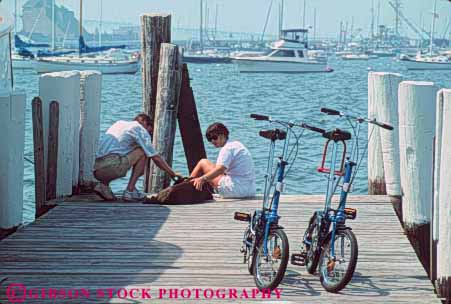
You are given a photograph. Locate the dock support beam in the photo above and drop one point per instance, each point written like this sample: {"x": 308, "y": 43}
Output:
{"x": 416, "y": 133}
{"x": 168, "y": 92}
{"x": 442, "y": 195}
{"x": 155, "y": 30}
{"x": 189, "y": 124}
{"x": 12, "y": 124}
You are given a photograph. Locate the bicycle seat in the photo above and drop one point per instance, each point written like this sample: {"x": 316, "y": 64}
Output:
{"x": 337, "y": 135}
{"x": 273, "y": 135}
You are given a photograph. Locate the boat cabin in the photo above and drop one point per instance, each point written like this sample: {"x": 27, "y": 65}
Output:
{"x": 287, "y": 53}
{"x": 295, "y": 35}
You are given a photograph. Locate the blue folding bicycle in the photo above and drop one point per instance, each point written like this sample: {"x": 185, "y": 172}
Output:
{"x": 265, "y": 244}
{"x": 328, "y": 242}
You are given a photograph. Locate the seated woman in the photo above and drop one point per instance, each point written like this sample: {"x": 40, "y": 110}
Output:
{"x": 233, "y": 174}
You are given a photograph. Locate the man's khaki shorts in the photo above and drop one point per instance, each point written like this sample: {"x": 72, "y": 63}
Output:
{"x": 111, "y": 167}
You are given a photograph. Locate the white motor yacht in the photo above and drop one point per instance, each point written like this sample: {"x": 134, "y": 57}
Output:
{"x": 287, "y": 55}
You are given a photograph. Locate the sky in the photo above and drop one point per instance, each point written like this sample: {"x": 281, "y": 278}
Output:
{"x": 250, "y": 15}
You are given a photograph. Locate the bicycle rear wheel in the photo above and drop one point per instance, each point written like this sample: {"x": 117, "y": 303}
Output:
{"x": 336, "y": 273}
{"x": 269, "y": 269}
{"x": 312, "y": 252}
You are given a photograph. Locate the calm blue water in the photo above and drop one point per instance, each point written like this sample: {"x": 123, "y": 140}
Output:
{"x": 222, "y": 94}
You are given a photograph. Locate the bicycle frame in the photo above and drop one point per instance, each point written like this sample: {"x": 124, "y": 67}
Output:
{"x": 273, "y": 205}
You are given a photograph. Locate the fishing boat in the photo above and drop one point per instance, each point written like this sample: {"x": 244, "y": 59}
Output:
{"x": 287, "y": 55}
{"x": 106, "y": 63}
{"x": 208, "y": 56}
{"x": 354, "y": 56}
{"x": 425, "y": 62}
{"x": 428, "y": 61}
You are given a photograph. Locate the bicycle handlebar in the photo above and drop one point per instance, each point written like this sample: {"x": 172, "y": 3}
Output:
{"x": 359, "y": 119}
{"x": 311, "y": 128}
{"x": 290, "y": 124}
{"x": 259, "y": 117}
{"x": 330, "y": 111}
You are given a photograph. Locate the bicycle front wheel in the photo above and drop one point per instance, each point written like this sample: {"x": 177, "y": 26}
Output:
{"x": 335, "y": 273}
{"x": 269, "y": 269}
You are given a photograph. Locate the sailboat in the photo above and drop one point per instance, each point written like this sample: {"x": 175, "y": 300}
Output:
{"x": 106, "y": 64}
{"x": 429, "y": 61}
{"x": 204, "y": 56}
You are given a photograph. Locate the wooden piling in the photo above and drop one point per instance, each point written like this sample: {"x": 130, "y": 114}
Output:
{"x": 444, "y": 201}
{"x": 376, "y": 177}
{"x": 386, "y": 100}
{"x": 38, "y": 144}
{"x": 12, "y": 124}
{"x": 64, "y": 87}
{"x": 416, "y": 131}
{"x": 155, "y": 30}
{"x": 168, "y": 92}
{"x": 189, "y": 125}
{"x": 52, "y": 150}
{"x": 90, "y": 99}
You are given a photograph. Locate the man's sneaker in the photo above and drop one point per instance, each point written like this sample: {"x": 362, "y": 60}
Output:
{"x": 133, "y": 196}
{"x": 104, "y": 192}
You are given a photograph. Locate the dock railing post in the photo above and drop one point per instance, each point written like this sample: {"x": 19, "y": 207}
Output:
{"x": 90, "y": 100}
{"x": 376, "y": 177}
{"x": 189, "y": 125}
{"x": 52, "y": 151}
{"x": 12, "y": 124}
{"x": 442, "y": 197}
{"x": 416, "y": 131}
{"x": 39, "y": 167}
{"x": 155, "y": 30}
{"x": 168, "y": 92}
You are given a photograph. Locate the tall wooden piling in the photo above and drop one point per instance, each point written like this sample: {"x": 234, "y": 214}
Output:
{"x": 39, "y": 168}
{"x": 168, "y": 92}
{"x": 386, "y": 99}
{"x": 52, "y": 151}
{"x": 155, "y": 30}
{"x": 189, "y": 125}
{"x": 444, "y": 200}
{"x": 416, "y": 132}
{"x": 376, "y": 177}
{"x": 12, "y": 125}
{"x": 64, "y": 87}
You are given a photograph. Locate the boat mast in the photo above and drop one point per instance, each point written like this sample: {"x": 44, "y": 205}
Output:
{"x": 303, "y": 15}
{"x": 201, "y": 37}
{"x": 314, "y": 24}
{"x": 53, "y": 24}
{"x": 15, "y": 16}
{"x": 100, "y": 25}
{"x": 434, "y": 15}
{"x": 266, "y": 21}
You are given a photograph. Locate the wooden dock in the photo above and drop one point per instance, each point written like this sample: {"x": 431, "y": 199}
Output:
{"x": 91, "y": 245}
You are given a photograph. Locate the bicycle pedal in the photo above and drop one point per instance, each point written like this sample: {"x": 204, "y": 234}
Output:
{"x": 298, "y": 259}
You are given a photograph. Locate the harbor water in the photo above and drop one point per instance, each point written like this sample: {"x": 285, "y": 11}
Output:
{"x": 223, "y": 94}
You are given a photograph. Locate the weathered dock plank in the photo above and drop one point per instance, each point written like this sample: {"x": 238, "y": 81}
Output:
{"x": 96, "y": 245}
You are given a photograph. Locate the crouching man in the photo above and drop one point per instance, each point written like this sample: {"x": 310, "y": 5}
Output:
{"x": 125, "y": 145}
